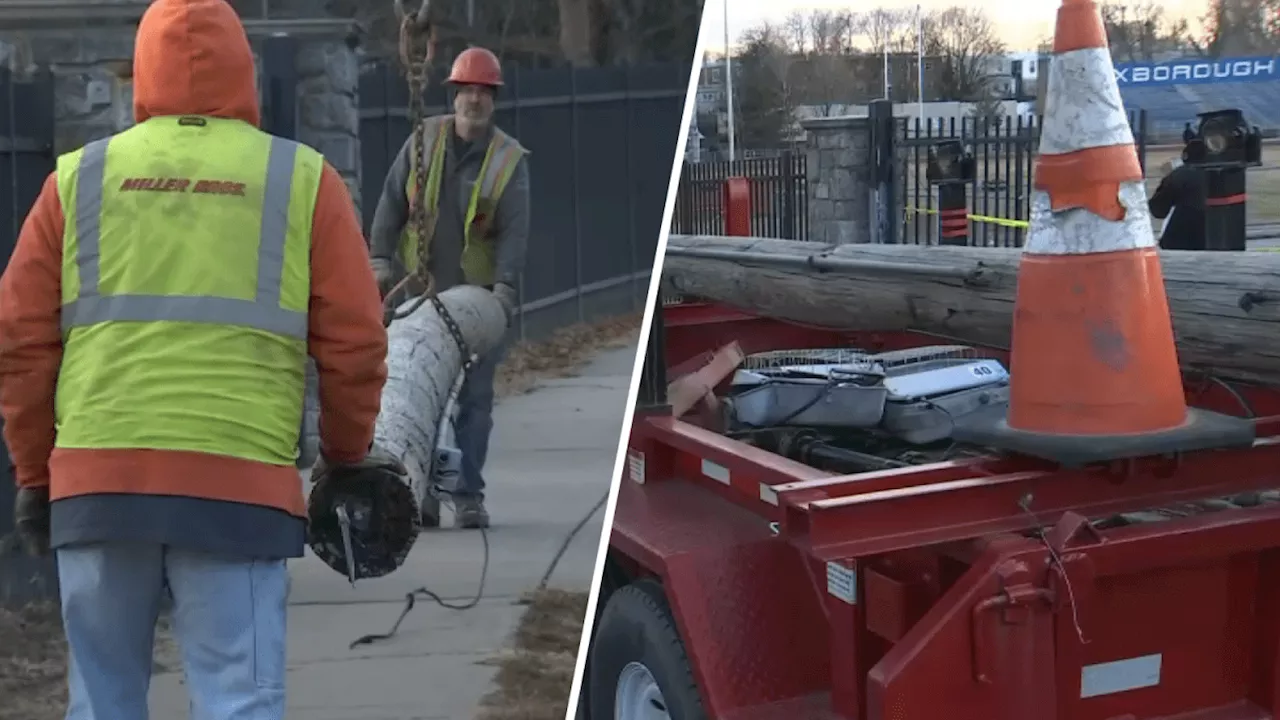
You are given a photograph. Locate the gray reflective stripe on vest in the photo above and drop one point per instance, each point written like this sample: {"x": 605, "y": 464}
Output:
{"x": 263, "y": 312}
{"x": 505, "y": 151}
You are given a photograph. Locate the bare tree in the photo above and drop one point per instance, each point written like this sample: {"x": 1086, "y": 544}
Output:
{"x": 537, "y": 33}
{"x": 1141, "y": 30}
{"x": 819, "y": 45}
{"x": 1240, "y": 27}
{"x": 883, "y": 29}
{"x": 963, "y": 41}
{"x": 577, "y": 36}
{"x": 831, "y": 32}
{"x": 634, "y": 31}
{"x": 764, "y": 118}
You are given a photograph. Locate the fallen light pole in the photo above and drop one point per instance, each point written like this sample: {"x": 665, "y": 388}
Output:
{"x": 385, "y": 511}
{"x": 1225, "y": 306}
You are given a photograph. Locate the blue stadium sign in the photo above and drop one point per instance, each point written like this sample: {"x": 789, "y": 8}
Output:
{"x": 1196, "y": 71}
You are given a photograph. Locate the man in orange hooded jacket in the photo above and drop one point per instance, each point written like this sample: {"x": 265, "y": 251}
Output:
{"x": 156, "y": 316}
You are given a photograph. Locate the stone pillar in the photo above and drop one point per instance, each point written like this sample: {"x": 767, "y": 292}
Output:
{"x": 93, "y": 97}
{"x": 839, "y": 188}
{"x": 329, "y": 106}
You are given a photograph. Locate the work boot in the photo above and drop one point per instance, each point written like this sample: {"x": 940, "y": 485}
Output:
{"x": 430, "y": 510}
{"x": 469, "y": 512}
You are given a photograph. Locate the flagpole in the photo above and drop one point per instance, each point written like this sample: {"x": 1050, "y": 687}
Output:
{"x": 920, "y": 61}
{"x": 886, "y": 71}
{"x": 728, "y": 78}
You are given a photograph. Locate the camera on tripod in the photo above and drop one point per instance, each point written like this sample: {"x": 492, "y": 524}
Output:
{"x": 950, "y": 162}
{"x": 1223, "y": 140}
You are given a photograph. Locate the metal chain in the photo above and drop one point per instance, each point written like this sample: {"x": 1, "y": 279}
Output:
{"x": 417, "y": 50}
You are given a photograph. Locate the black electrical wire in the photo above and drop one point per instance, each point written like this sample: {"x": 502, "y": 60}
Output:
{"x": 412, "y": 596}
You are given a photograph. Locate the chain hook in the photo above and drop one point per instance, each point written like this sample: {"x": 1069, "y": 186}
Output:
{"x": 421, "y": 20}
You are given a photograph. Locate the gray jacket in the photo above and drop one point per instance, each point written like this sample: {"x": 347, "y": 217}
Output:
{"x": 461, "y": 168}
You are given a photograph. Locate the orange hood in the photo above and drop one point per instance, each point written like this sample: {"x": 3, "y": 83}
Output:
{"x": 192, "y": 57}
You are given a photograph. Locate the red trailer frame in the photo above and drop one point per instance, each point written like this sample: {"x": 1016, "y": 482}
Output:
{"x": 920, "y": 594}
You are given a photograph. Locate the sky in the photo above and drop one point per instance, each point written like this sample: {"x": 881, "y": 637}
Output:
{"x": 1021, "y": 23}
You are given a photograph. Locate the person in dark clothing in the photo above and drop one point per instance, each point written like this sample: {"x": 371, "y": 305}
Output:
{"x": 1180, "y": 201}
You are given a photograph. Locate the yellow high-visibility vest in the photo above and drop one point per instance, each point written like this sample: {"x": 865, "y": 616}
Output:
{"x": 186, "y": 279}
{"x": 479, "y": 255}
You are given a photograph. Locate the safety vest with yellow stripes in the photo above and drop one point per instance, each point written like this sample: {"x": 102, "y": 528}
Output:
{"x": 479, "y": 254}
{"x": 186, "y": 278}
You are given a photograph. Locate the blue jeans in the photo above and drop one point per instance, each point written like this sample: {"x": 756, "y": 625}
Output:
{"x": 474, "y": 422}
{"x": 228, "y": 615}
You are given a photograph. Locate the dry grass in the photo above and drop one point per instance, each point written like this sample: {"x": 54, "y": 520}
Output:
{"x": 534, "y": 678}
{"x": 33, "y": 664}
{"x": 563, "y": 352}
{"x": 33, "y": 661}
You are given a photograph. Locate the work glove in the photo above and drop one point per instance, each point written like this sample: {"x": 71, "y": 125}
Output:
{"x": 31, "y": 519}
{"x": 508, "y": 297}
{"x": 375, "y": 460}
{"x": 384, "y": 272}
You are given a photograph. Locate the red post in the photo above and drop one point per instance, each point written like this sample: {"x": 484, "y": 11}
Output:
{"x": 848, "y": 671}
{"x": 737, "y": 206}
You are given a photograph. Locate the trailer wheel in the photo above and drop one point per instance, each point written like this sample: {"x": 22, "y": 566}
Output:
{"x": 639, "y": 669}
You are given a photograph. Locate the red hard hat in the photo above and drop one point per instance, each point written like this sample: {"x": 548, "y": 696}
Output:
{"x": 476, "y": 66}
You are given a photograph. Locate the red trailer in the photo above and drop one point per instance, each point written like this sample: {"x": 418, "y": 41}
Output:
{"x": 822, "y": 572}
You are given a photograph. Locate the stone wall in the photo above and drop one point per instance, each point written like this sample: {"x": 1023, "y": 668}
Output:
{"x": 329, "y": 106}
{"x": 91, "y": 100}
{"x": 94, "y": 96}
{"x": 838, "y": 169}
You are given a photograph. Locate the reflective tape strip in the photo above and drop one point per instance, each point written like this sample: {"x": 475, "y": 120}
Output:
{"x": 1085, "y": 107}
{"x": 263, "y": 312}
{"x": 188, "y": 308}
{"x": 93, "y": 166}
{"x": 498, "y": 173}
{"x": 1080, "y": 232}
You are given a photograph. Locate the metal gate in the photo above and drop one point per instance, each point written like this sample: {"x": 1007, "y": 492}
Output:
{"x": 26, "y": 159}
{"x": 779, "y": 196}
{"x": 1004, "y": 150}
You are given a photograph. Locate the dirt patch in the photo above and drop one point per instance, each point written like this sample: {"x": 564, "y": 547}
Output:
{"x": 534, "y": 678}
{"x": 559, "y": 354}
{"x": 33, "y": 662}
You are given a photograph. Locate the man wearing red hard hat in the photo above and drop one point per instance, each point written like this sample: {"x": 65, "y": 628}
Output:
{"x": 472, "y": 179}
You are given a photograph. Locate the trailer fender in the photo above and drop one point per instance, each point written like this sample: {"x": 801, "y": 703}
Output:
{"x": 639, "y": 659}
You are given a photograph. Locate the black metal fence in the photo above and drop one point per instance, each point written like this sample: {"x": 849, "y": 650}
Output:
{"x": 1004, "y": 151}
{"x": 999, "y": 199}
{"x": 26, "y": 159}
{"x": 602, "y": 141}
{"x": 779, "y": 196}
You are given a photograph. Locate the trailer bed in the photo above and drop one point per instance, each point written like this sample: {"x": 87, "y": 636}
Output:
{"x": 992, "y": 588}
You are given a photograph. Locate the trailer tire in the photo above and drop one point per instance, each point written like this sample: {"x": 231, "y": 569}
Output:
{"x": 637, "y": 627}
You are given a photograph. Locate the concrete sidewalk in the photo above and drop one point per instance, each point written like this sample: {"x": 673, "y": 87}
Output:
{"x": 551, "y": 460}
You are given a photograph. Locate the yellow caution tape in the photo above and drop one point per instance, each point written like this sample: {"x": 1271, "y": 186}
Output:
{"x": 1025, "y": 224}
{"x": 1005, "y": 222}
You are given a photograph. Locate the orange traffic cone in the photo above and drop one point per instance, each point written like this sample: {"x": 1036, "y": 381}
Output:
{"x": 1094, "y": 366}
